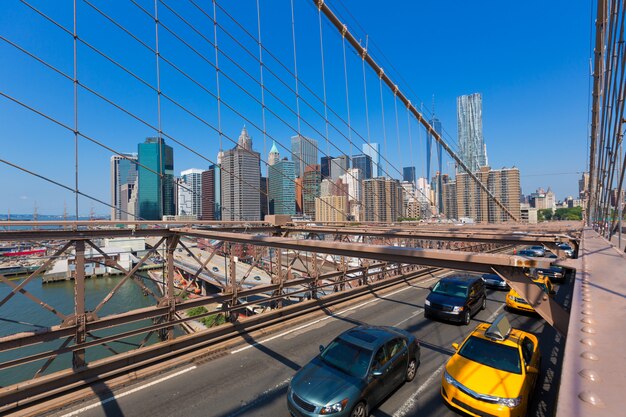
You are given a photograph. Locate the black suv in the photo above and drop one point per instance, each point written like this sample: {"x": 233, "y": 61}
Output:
{"x": 456, "y": 298}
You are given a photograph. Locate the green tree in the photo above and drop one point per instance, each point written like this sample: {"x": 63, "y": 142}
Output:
{"x": 544, "y": 215}
{"x": 196, "y": 311}
{"x": 574, "y": 213}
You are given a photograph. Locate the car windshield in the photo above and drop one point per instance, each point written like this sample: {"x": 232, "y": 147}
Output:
{"x": 347, "y": 357}
{"x": 494, "y": 355}
{"x": 454, "y": 289}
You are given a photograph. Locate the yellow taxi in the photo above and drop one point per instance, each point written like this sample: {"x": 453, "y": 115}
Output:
{"x": 515, "y": 302}
{"x": 493, "y": 372}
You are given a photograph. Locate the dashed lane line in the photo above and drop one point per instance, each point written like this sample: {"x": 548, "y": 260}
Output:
{"x": 409, "y": 404}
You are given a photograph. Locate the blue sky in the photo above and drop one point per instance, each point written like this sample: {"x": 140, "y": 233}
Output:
{"x": 530, "y": 61}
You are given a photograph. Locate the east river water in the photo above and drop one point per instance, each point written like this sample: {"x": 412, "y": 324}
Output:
{"x": 21, "y": 314}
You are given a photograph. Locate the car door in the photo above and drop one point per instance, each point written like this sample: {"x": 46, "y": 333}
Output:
{"x": 379, "y": 385}
{"x": 530, "y": 356}
{"x": 473, "y": 305}
{"x": 398, "y": 361}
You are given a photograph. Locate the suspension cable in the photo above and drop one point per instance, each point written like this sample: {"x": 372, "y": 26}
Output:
{"x": 295, "y": 64}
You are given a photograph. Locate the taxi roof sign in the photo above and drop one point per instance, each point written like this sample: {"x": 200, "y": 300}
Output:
{"x": 499, "y": 329}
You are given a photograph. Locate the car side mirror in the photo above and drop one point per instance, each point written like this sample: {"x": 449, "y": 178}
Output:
{"x": 377, "y": 373}
{"x": 531, "y": 369}
{"x": 431, "y": 287}
{"x": 321, "y": 348}
{"x": 455, "y": 346}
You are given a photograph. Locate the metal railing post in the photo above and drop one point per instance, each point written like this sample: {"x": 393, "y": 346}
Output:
{"x": 232, "y": 284}
{"x": 279, "y": 263}
{"x": 172, "y": 242}
{"x": 78, "y": 358}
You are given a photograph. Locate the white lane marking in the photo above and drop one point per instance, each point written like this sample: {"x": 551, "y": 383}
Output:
{"x": 409, "y": 404}
{"x": 123, "y": 394}
{"x": 375, "y": 300}
{"x": 418, "y": 312}
{"x": 247, "y": 406}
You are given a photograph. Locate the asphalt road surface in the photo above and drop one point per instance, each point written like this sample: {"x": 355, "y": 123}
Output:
{"x": 252, "y": 379}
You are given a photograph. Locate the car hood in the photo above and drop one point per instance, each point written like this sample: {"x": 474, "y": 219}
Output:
{"x": 483, "y": 379}
{"x": 433, "y": 297}
{"x": 321, "y": 384}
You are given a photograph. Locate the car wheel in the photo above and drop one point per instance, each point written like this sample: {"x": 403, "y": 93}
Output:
{"x": 466, "y": 318}
{"x": 359, "y": 410}
{"x": 411, "y": 370}
{"x": 484, "y": 306}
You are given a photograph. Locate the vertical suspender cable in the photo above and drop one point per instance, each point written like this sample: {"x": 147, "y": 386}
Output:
{"x": 75, "y": 115}
{"x": 217, "y": 77}
{"x": 161, "y": 178}
{"x": 295, "y": 64}
{"x": 218, "y": 171}
{"x": 358, "y": 197}
{"x": 595, "y": 111}
{"x": 408, "y": 122}
{"x": 395, "y": 109}
{"x": 258, "y": 14}
{"x": 367, "y": 117}
{"x": 382, "y": 111}
{"x": 319, "y": 18}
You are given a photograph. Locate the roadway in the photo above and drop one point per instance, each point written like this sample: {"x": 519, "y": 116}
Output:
{"x": 252, "y": 379}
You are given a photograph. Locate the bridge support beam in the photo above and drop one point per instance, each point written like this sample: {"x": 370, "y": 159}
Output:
{"x": 544, "y": 305}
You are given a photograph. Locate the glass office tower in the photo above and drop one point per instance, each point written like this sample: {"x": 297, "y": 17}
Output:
{"x": 156, "y": 179}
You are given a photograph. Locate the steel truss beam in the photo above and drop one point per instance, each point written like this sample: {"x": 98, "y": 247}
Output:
{"x": 478, "y": 262}
{"x": 470, "y": 236}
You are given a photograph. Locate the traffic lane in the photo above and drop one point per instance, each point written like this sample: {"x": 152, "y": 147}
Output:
{"x": 376, "y": 313}
{"x": 273, "y": 363}
{"x": 436, "y": 337}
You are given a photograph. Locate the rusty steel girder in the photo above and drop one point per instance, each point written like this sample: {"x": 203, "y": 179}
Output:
{"x": 479, "y": 262}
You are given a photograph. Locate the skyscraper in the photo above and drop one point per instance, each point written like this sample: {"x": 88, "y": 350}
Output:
{"x": 274, "y": 155}
{"x": 339, "y": 166}
{"x": 325, "y": 166}
{"x": 382, "y": 198}
{"x": 450, "y": 206}
{"x": 156, "y": 179}
{"x": 303, "y": 152}
{"x": 472, "y": 149}
{"x": 373, "y": 150}
{"x": 281, "y": 187}
{"x": 241, "y": 179}
{"x": 353, "y": 179}
{"x": 191, "y": 189}
{"x": 210, "y": 205}
{"x": 332, "y": 208}
{"x": 364, "y": 163}
{"x": 408, "y": 174}
{"x": 123, "y": 173}
{"x": 265, "y": 206}
{"x": 473, "y": 202}
{"x": 311, "y": 182}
